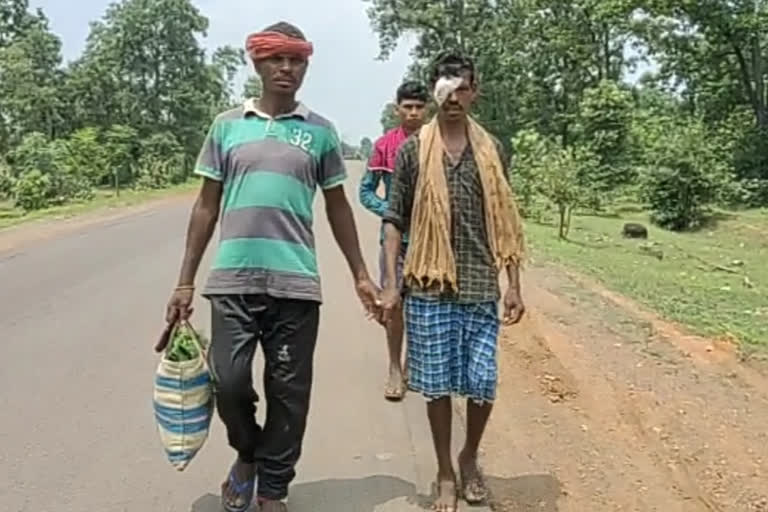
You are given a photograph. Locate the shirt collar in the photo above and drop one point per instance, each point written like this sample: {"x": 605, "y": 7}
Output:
{"x": 251, "y": 107}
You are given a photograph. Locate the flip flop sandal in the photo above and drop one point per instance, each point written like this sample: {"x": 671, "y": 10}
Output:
{"x": 244, "y": 490}
{"x": 393, "y": 394}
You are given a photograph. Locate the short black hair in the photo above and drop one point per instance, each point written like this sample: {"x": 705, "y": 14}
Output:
{"x": 412, "y": 90}
{"x": 452, "y": 64}
{"x": 285, "y": 28}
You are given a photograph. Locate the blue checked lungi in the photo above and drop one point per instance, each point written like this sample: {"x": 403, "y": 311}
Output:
{"x": 452, "y": 348}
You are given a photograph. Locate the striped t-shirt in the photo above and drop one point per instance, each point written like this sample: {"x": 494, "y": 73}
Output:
{"x": 270, "y": 169}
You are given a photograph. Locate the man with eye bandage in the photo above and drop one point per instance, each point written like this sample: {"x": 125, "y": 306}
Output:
{"x": 451, "y": 195}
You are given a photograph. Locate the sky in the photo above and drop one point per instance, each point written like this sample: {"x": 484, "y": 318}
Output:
{"x": 345, "y": 82}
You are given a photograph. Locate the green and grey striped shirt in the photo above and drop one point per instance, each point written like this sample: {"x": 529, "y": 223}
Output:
{"x": 270, "y": 169}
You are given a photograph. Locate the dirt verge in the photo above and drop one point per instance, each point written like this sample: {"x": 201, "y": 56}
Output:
{"x": 612, "y": 409}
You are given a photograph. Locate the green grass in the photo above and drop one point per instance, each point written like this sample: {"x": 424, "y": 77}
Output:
{"x": 104, "y": 199}
{"x": 684, "y": 286}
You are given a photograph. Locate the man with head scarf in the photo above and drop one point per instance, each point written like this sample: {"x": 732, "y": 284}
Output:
{"x": 451, "y": 194}
{"x": 261, "y": 164}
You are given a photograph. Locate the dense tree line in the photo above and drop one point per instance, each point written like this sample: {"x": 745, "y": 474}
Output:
{"x": 132, "y": 110}
{"x": 555, "y": 85}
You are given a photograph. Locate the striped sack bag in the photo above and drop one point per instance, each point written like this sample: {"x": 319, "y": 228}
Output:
{"x": 183, "y": 396}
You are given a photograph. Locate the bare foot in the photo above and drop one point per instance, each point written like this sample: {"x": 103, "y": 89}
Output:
{"x": 472, "y": 485}
{"x": 395, "y": 388}
{"x": 447, "y": 498}
{"x": 272, "y": 506}
{"x": 237, "y": 490}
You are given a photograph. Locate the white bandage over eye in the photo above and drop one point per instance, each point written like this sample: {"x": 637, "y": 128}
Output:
{"x": 445, "y": 86}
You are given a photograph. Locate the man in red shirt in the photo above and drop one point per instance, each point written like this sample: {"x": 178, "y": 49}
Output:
{"x": 410, "y": 109}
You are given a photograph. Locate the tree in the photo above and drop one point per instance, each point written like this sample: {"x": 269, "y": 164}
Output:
{"x": 122, "y": 147}
{"x": 440, "y": 25}
{"x": 132, "y": 110}
{"x": 226, "y": 62}
{"x": 7, "y": 181}
{"x": 143, "y": 64}
{"x": 727, "y": 38}
{"x": 349, "y": 152}
{"x": 389, "y": 119}
{"x": 252, "y": 87}
{"x": 561, "y": 182}
{"x": 29, "y": 81}
{"x": 14, "y": 20}
{"x": 433, "y": 21}
{"x": 552, "y": 172}
{"x": 529, "y": 147}
{"x": 602, "y": 128}
{"x": 366, "y": 148}
{"x": 713, "y": 53}
{"x": 576, "y": 44}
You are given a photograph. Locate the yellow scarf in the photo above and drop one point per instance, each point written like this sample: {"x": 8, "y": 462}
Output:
{"x": 430, "y": 259}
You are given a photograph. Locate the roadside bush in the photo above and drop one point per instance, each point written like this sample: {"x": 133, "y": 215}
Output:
{"x": 156, "y": 174}
{"x": 756, "y": 192}
{"x": 87, "y": 158}
{"x": 65, "y": 180}
{"x": 34, "y": 153}
{"x": 749, "y": 193}
{"x": 32, "y": 190}
{"x": 685, "y": 177}
{"x": 161, "y": 163}
{"x": 68, "y": 182}
{"x": 678, "y": 197}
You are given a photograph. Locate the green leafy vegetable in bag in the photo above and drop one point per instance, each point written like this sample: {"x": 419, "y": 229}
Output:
{"x": 183, "y": 346}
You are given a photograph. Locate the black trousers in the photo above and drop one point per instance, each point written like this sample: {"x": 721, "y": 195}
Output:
{"x": 287, "y": 333}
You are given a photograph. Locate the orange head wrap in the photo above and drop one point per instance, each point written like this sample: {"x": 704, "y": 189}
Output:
{"x": 263, "y": 45}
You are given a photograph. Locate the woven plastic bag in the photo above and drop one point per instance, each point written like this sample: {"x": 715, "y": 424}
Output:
{"x": 183, "y": 395}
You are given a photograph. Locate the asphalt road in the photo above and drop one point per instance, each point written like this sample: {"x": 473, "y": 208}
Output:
{"x": 79, "y": 314}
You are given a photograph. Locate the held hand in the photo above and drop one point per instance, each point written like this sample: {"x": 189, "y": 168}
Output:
{"x": 369, "y": 297}
{"x": 390, "y": 300}
{"x": 513, "y": 307}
